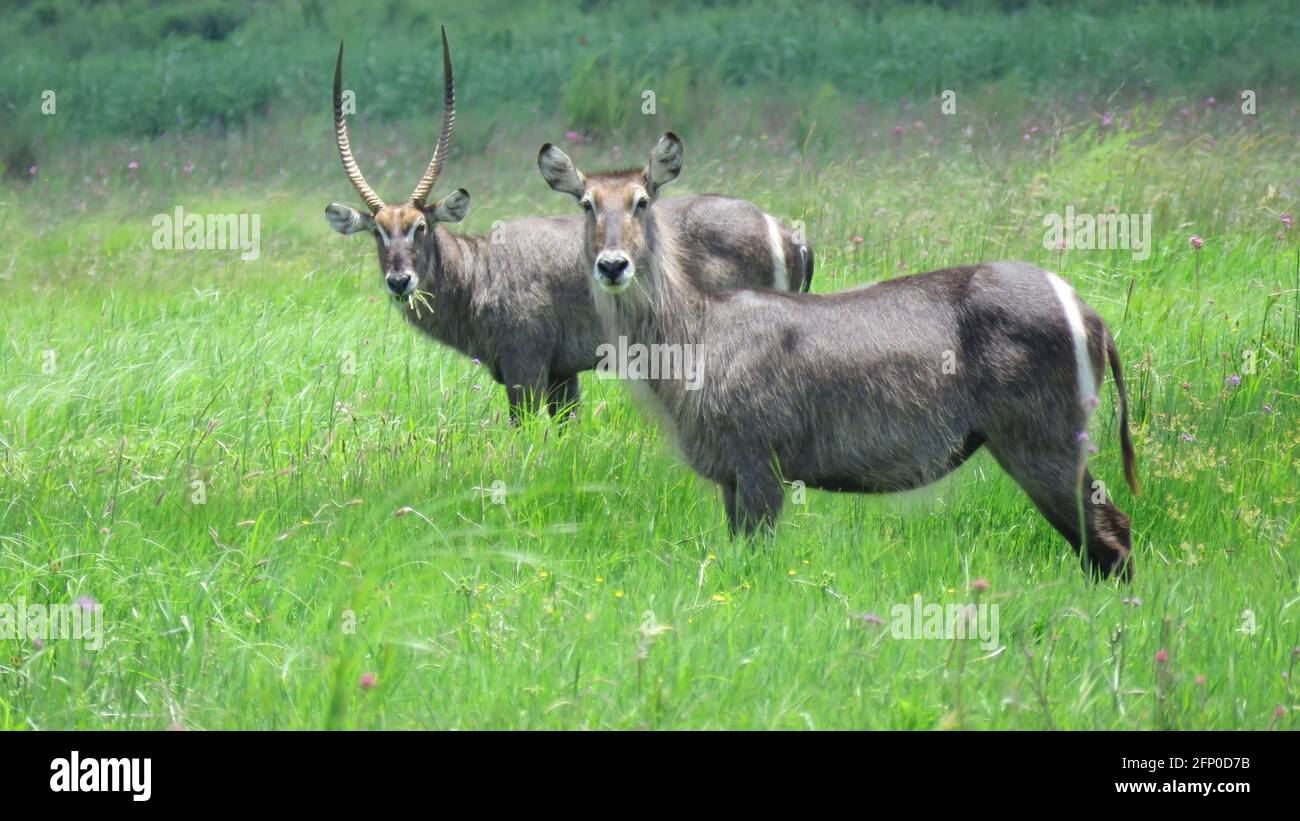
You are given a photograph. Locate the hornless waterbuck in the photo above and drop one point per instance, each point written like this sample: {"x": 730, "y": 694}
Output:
{"x": 517, "y": 299}
{"x": 875, "y": 389}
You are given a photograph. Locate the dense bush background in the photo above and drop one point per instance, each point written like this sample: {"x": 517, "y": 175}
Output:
{"x": 144, "y": 67}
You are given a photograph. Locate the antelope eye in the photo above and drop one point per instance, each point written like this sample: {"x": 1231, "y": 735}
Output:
{"x": 639, "y": 206}
{"x": 420, "y": 228}
{"x": 587, "y": 206}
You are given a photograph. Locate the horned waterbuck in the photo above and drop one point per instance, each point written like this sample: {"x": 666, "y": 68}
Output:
{"x": 517, "y": 299}
{"x": 876, "y": 389}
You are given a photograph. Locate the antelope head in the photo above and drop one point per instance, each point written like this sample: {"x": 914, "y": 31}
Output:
{"x": 404, "y": 233}
{"x": 616, "y": 204}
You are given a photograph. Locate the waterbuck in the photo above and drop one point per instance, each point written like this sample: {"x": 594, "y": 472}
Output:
{"x": 517, "y": 299}
{"x": 870, "y": 390}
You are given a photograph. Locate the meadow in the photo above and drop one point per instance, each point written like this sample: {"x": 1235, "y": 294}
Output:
{"x": 296, "y": 512}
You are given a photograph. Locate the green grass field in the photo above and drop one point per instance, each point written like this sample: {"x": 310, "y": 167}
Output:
{"x": 287, "y": 501}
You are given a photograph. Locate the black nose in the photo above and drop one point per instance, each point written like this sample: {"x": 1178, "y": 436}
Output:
{"x": 397, "y": 283}
{"x": 612, "y": 266}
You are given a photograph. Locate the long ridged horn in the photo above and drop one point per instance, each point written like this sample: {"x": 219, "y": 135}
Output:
{"x": 345, "y": 148}
{"x": 444, "y": 139}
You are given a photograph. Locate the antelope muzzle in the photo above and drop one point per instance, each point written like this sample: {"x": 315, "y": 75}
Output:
{"x": 614, "y": 271}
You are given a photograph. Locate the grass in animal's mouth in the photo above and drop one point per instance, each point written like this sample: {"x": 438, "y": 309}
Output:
{"x": 420, "y": 301}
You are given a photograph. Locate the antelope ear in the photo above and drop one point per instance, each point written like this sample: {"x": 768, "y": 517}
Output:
{"x": 451, "y": 208}
{"x": 347, "y": 220}
{"x": 665, "y": 162}
{"x": 560, "y": 172}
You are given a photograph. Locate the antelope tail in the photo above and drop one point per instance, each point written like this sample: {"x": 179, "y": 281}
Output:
{"x": 1126, "y": 443}
{"x": 806, "y": 257}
